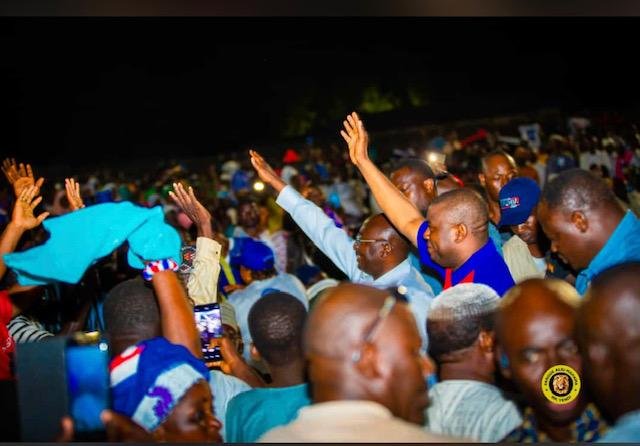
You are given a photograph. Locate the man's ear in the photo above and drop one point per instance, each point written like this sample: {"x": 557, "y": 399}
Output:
{"x": 255, "y": 354}
{"x": 386, "y": 249}
{"x": 482, "y": 179}
{"x": 367, "y": 362}
{"x": 461, "y": 232}
{"x": 580, "y": 221}
{"x": 430, "y": 186}
{"x": 486, "y": 341}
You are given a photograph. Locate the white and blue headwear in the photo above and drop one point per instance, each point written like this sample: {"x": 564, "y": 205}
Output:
{"x": 150, "y": 378}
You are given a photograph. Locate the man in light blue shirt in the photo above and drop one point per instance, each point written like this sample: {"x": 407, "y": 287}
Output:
{"x": 587, "y": 226}
{"x": 377, "y": 257}
{"x": 276, "y": 325}
{"x": 608, "y": 326}
{"x": 256, "y": 264}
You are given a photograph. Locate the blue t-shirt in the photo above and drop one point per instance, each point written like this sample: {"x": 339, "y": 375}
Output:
{"x": 485, "y": 266}
{"x": 251, "y": 414}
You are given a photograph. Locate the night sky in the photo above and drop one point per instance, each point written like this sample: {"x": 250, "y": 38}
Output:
{"x": 112, "y": 88}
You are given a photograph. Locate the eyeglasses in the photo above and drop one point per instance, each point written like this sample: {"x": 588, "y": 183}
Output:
{"x": 397, "y": 295}
{"x": 359, "y": 240}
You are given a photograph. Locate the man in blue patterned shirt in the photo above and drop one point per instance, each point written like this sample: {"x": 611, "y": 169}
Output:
{"x": 535, "y": 328}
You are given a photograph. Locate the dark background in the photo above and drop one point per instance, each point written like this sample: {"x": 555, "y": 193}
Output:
{"x": 97, "y": 88}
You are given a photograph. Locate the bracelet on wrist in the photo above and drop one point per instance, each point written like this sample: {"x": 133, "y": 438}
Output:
{"x": 158, "y": 265}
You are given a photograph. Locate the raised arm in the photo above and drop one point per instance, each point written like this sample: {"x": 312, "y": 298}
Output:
{"x": 203, "y": 281}
{"x": 400, "y": 211}
{"x": 266, "y": 172}
{"x": 73, "y": 194}
{"x": 176, "y": 314}
{"x": 22, "y": 219}
{"x": 20, "y": 176}
{"x": 334, "y": 242}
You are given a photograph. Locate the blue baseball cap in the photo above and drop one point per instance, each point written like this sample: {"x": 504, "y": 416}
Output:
{"x": 255, "y": 255}
{"x": 517, "y": 199}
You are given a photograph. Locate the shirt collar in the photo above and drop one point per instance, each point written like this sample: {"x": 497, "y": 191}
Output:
{"x": 613, "y": 250}
{"x": 590, "y": 426}
{"x": 394, "y": 276}
{"x": 351, "y": 409}
{"x": 478, "y": 257}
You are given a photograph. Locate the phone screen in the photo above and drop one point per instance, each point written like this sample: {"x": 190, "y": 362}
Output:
{"x": 88, "y": 385}
{"x": 209, "y": 323}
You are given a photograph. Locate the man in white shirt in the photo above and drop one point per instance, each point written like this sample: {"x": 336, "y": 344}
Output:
{"x": 465, "y": 402}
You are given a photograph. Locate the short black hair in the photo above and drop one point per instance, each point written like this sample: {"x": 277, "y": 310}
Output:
{"x": 488, "y": 156}
{"x": 276, "y": 323}
{"x": 577, "y": 189}
{"x": 446, "y": 337}
{"x": 130, "y": 306}
{"x": 466, "y": 205}
{"x": 417, "y": 165}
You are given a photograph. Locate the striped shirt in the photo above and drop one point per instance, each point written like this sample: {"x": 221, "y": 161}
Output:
{"x": 22, "y": 329}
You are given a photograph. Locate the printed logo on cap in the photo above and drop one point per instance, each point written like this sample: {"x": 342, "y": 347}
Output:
{"x": 510, "y": 203}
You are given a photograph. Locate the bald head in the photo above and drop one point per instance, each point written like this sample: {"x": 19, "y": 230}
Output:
{"x": 535, "y": 328}
{"x": 609, "y": 336}
{"x": 465, "y": 206}
{"x": 340, "y": 319}
{"x": 357, "y": 351}
{"x": 385, "y": 249}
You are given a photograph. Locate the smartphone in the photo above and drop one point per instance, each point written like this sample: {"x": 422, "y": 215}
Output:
{"x": 87, "y": 364}
{"x": 209, "y": 323}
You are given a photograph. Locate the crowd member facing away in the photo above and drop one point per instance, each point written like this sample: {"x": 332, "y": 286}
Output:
{"x": 466, "y": 403}
{"x": 276, "y": 325}
{"x": 609, "y": 339}
{"x": 257, "y": 268}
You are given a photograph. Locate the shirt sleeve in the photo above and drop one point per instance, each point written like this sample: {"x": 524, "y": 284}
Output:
{"x": 423, "y": 251}
{"x": 23, "y": 330}
{"x": 203, "y": 281}
{"x": 334, "y": 242}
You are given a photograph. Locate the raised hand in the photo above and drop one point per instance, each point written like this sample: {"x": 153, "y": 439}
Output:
{"x": 22, "y": 216}
{"x": 190, "y": 205}
{"x": 266, "y": 172}
{"x": 73, "y": 194}
{"x": 356, "y": 137}
{"x": 20, "y": 176}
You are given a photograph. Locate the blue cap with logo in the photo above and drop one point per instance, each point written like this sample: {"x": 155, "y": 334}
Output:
{"x": 517, "y": 199}
{"x": 255, "y": 255}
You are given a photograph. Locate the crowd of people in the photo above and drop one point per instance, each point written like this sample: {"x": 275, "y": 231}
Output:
{"x": 426, "y": 296}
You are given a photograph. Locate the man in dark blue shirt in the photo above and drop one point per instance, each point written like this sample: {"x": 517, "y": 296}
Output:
{"x": 453, "y": 240}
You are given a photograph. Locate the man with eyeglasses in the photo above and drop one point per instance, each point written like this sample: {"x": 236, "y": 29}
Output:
{"x": 453, "y": 240}
{"x": 367, "y": 372}
{"x": 378, "y": 256}
{"x": 535, "y": 326}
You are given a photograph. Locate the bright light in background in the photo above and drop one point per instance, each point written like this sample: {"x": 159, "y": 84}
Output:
{"x": 258, "y": 186}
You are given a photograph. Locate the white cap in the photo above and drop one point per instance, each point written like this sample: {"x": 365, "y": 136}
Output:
{"x": 464, "y": 301}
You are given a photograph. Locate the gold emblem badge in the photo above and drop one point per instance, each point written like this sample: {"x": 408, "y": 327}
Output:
{"x": 561, "y": 384}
